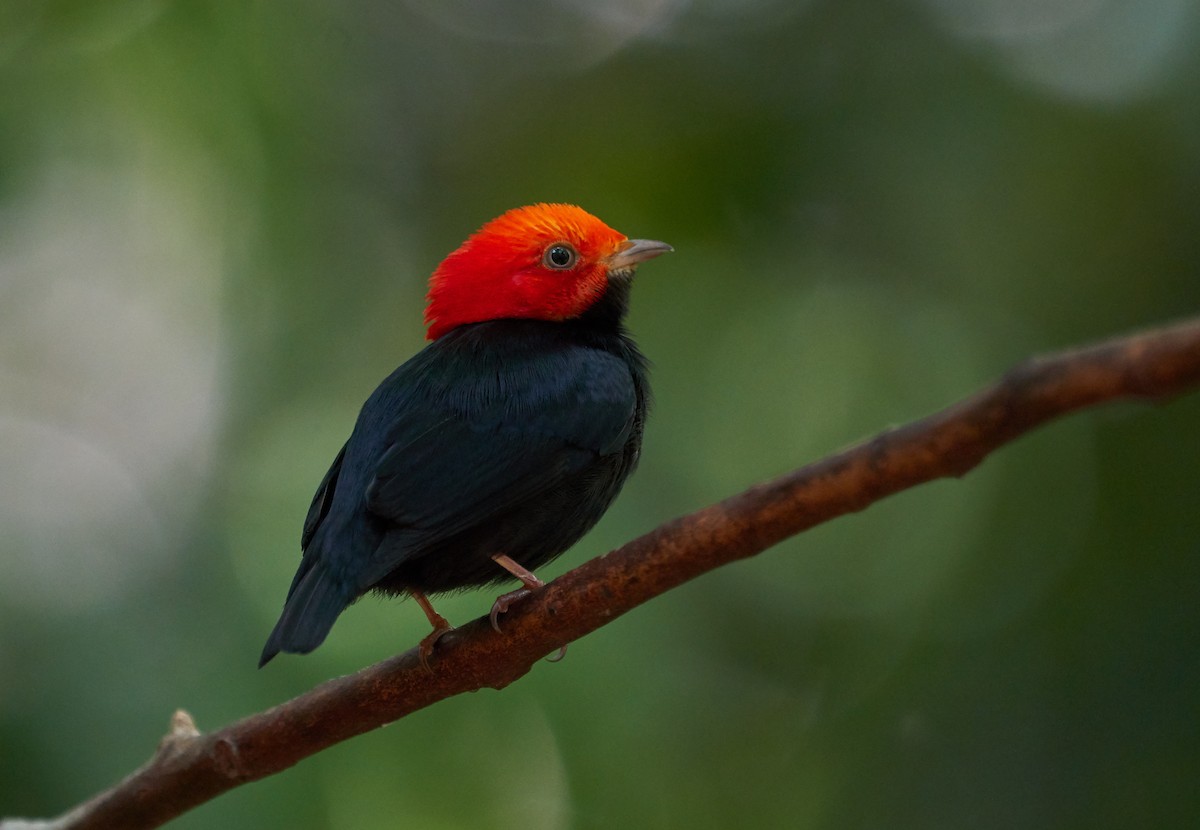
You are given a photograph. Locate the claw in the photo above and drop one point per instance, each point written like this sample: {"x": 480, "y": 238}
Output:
{"x": 504, "y": 601}
{"x": 425, "y": 647}
{"x": 558, "y": 655}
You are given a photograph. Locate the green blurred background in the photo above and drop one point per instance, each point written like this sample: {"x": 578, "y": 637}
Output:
{"x": 216, "y": 220}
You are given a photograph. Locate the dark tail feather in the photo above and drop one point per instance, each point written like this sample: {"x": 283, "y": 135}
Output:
{"x": 310, "y": 611}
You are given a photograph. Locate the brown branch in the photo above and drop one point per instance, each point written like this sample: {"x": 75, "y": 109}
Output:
{"x": 189, "y": 768}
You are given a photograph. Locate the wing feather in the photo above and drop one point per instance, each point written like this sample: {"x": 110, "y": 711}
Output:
{"x": 500, "y": 441}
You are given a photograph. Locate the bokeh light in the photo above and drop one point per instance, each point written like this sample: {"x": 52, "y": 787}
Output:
{"x": 216, "y": 223}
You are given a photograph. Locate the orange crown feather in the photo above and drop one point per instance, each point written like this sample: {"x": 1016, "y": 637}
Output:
{"x": 505, "y": 270}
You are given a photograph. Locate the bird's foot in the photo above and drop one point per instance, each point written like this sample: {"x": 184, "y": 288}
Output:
{"x": 425, "y": 647}
{"x": 440, "y": 625}
{"x": 503, "y": 602}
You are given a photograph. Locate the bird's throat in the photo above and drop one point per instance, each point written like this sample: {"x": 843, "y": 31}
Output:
{"x": 608, "y": 313}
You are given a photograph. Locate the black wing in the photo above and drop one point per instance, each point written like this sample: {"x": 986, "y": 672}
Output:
{"x": 495, "y": 439}
{"x": 322, "y": 500}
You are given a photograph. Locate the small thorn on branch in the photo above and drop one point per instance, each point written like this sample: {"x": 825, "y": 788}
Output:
{"x": 182, "y": 725}
{"x": 182, "y": 731}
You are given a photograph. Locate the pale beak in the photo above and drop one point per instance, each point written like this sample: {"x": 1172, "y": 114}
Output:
{"x": 634, "y": 251}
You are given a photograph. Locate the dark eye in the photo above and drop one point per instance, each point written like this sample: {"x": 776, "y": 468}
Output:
{"x": 560, "y": 257}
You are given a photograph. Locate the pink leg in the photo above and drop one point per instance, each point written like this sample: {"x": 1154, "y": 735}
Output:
{"x": 440, "y": 627}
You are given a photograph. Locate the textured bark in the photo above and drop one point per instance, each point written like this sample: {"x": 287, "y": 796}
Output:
{"x": 189, "y": 768}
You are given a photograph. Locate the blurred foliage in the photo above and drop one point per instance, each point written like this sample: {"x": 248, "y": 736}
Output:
{"x": 216, "y": 220}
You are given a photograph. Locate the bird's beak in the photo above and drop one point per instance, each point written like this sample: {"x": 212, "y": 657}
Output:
{"x": 634, "y": 251}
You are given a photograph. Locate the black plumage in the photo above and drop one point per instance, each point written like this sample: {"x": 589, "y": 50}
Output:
{"x": 510, "y": 436}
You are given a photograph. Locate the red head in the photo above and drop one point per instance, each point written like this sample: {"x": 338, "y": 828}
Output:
{"x": 545, "y": 262}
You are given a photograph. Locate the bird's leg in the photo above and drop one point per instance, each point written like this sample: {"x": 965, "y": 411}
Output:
{"x": 440, "y": 627}
{"x": 502, "y": 603}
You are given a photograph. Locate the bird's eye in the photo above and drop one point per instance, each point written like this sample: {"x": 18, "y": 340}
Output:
{"x": 560, "y": 257}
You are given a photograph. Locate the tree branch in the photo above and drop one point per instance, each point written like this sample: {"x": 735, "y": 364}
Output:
{"x": 190, "y": 768}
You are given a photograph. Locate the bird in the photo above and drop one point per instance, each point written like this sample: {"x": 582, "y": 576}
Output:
{"x": 497, "y": 446}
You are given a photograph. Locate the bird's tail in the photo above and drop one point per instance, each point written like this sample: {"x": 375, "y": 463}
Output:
{"x": 312, "y": 606}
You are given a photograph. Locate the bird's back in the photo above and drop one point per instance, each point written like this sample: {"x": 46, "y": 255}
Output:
{"x": 555, "y": 415}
